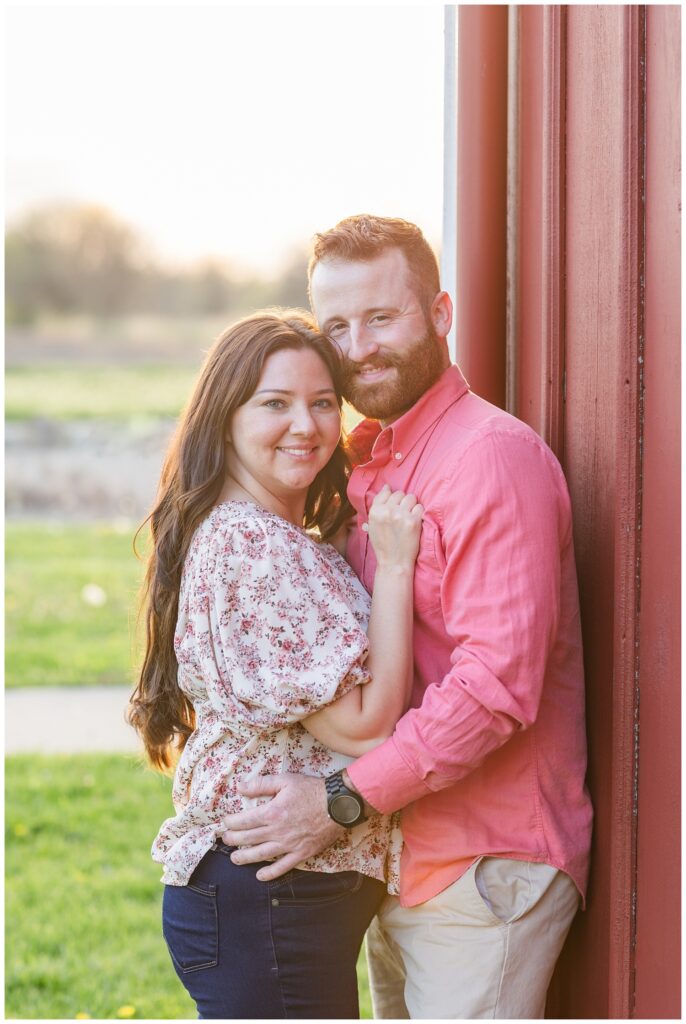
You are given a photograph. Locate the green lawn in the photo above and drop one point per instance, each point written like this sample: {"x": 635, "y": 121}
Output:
{"x": 83, "y": 897}
{"x": 53, "y": 635}
{"x": 93, "y": 392}
{"x": 126, "y": 392}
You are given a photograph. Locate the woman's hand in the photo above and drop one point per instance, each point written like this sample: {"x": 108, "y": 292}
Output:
{"x": 395, "y": 524}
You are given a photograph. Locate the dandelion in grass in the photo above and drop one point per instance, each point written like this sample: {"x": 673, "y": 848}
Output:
{"x": 126, "y": 1012}
{"x": 93, "y": 595}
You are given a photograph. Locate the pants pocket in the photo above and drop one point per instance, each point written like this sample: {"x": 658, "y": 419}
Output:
{"x": 190, "y": 925}
{"x": 300, "y": 888}
{"x": 511, "y": 888}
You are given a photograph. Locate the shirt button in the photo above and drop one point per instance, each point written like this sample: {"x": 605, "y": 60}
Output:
{"x": 398, "y": 455}
{"x": 275, "y": 903}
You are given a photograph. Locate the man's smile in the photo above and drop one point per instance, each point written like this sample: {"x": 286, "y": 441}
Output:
{"x": 374, "y": 373}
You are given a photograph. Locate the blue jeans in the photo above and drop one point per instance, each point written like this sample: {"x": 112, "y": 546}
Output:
{"x": 288, "y": 948}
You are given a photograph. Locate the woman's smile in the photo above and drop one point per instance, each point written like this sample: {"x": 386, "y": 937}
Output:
{"x": 284, "y": 435}
{"x": 297, "y": 453}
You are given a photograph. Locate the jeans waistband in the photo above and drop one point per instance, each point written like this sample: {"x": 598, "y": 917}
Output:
{"x": 219, "y": 846}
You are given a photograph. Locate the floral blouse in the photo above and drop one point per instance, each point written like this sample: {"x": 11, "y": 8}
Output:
{"x": 271, "y": 627}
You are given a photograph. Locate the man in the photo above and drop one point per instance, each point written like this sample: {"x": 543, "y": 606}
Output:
{"x": 488, "y": 764}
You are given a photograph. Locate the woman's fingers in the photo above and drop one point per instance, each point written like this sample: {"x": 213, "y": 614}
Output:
{"x": 387, "y": 501}
{"x": 408, "y": 501}
{"x": 394, "y": 527}
{"x": 383, "y": 495}
{"x": 393, "y": 498}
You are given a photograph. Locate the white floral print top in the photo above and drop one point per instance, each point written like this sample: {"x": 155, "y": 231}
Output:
{"x": 271, "y": 627}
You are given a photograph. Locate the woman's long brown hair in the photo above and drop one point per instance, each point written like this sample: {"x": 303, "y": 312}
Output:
{"x": 192, "y": 477}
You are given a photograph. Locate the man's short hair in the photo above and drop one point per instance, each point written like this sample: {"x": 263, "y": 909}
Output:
{"x": 364, "y": 237}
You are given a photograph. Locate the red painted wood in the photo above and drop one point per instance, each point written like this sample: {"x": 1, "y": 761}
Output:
{"x": 481, "y": 197}
{"x": 603, "y": 330}
{"x": 594, "y": 303}
{"x": 658, "y": 897}
{"x": 537, "y": 359}
{"x": 539, "y": 279}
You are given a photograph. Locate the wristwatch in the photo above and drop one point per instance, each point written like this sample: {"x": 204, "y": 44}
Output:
{"x": 344, "y": 806}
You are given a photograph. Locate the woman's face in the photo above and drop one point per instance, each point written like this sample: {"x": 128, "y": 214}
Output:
{"x": 287, "y": 430}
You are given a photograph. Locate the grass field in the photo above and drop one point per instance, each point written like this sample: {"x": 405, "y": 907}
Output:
{"x": 83, "y": 897}
{"x": 88, "y": 392}
{"x": 57, "y": 633}
{"x": 123, "y": 393}
{"x": 82, "y": 902}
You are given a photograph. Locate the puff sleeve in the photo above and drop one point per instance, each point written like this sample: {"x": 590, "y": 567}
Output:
{"x": 267, "y": 630}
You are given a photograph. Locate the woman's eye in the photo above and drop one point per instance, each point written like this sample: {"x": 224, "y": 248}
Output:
{"x": 274, "y": 403}
{"x": 324, "y": 403}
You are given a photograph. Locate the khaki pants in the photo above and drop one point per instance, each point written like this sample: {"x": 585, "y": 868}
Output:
{"x": 483, "y": 948}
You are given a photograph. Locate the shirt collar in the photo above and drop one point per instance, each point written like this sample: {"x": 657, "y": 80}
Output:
{"x": 402, "y": 435}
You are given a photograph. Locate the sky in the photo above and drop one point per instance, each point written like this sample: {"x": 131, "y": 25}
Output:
{"x": 225, "y": 130}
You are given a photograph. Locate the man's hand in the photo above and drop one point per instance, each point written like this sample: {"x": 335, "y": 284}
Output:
{"x": 293, "y": 826}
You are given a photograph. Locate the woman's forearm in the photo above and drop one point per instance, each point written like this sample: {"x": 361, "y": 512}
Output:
{"x": 390, "y": 660}
{"x": 366, "y": 716}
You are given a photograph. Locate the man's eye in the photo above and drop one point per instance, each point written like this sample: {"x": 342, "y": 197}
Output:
{"x": 336, "y": 329}
{"x": 380, "y": 318}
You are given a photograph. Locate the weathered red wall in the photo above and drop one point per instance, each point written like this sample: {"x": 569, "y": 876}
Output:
{"x": 538, "y": 226}
{"x": 658, "y": 855}
{"x": 602, "y": 339}
{"x": 481, "y": 197}
{"x": 593, "y": 352}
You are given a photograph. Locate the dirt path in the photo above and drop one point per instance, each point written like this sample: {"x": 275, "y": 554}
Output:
{"x": 68, "y": 720}
{"x": 82, "y": 469}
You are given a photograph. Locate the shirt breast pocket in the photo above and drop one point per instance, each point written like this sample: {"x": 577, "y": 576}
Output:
{"x": 428, "y": 571}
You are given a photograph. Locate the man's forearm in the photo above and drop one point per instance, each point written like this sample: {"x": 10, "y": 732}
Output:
{"x": 433, "y": 747}
{"x": 368, "y": 809}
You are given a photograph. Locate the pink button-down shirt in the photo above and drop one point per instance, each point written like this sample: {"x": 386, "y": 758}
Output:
{"x": 491, "y": 757}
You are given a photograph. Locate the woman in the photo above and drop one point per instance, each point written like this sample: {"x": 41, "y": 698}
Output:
{"x": 256, "y": 654}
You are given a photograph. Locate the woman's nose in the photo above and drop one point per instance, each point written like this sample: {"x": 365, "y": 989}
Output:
{"x": 302, "y": 422}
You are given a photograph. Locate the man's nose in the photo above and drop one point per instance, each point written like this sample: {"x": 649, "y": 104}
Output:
{"x": 362, "y": 343}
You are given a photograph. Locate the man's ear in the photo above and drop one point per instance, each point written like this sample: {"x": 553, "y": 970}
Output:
{"x": 442, "y": 314}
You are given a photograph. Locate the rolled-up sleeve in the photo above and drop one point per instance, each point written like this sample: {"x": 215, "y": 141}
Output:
{"x": 504, "y": 517}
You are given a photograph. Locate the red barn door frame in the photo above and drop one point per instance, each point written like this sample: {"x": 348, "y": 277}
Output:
{"x": 480, "y": 311}
{"x": 658, "y": 955}
{"x": 580, "y": 330}
{"x": 604, "y": 264}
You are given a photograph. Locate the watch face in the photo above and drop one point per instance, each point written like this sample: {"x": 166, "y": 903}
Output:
{"x": 345, "y": 809}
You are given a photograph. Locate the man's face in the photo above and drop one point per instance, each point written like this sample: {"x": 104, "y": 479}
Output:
{"x": 392, "y": 354}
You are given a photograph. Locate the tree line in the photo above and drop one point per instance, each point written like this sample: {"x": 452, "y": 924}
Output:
{"x": 67, "y": 259}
